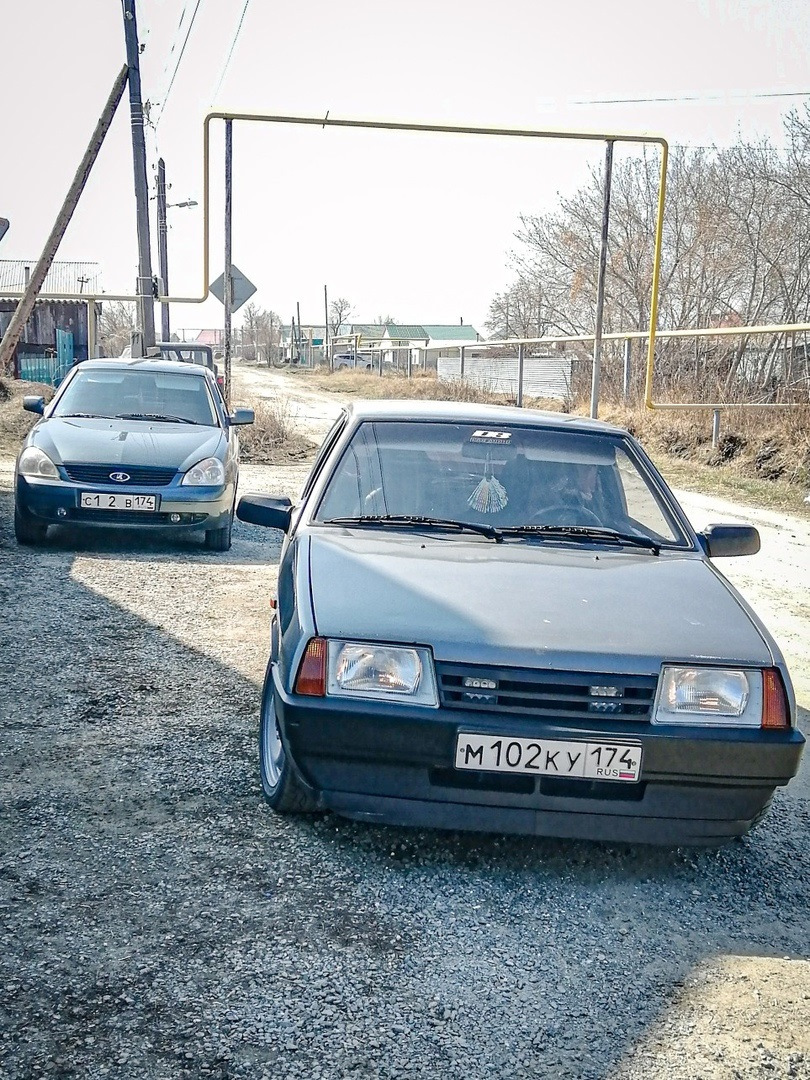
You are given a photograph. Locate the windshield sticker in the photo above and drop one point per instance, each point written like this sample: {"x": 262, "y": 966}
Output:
{"x": 484, "y": 436}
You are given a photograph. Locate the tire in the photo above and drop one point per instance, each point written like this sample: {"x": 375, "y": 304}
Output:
{"x": 220, "y": 539}
{"x": 27, "y": 529}
{"x": 761, "y": 814}
{"x": 282, "y": 788}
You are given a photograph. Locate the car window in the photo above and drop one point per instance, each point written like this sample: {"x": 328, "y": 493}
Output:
{"x": 126, "y": 392}
{"x": 509, "y": 477}
{"x": 325, "y": 449}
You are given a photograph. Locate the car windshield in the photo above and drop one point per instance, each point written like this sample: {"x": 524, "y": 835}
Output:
{"x": 525, "y": 480}
{"x": 138, "y": 394}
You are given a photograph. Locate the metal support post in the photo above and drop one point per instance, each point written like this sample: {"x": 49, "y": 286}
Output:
{"x": 715, "y": 429}
{"x": 408, "y": 364}
{"x": 147, "y": 303}
{"x": 600, "y": 287}
{"x": 228, "y": 289}
{"x": 163, "y": 249}
{"x": 34, "y": 284}
{"x": 326, "y": 354}
{"x": 461, "y": 352}
{"x": 521, "y": 360}
{"x": 91, "y": 330}
{"x": 628, "y": 348}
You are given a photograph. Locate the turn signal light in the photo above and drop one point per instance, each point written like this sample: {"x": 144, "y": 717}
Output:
{"x": 312, "y": 672}
{"x": 774, "y": 702}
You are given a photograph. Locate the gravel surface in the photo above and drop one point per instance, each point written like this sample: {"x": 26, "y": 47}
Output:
{"x": 160, "y": 921}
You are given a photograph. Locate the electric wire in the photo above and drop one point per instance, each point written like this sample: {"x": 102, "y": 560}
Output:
{"x": 179, "y": 59}
{"x": 742, "y": 96}
{"x": 227, "y": 63}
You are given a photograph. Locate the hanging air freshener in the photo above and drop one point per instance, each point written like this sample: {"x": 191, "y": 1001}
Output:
{"x": 490, "y": 495}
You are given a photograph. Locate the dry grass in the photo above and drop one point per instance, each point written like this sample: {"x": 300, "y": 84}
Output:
{"x": 273, "y": 438}
{"x": 14, "y": 422}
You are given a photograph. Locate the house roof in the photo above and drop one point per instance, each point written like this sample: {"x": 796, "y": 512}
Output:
{"x": 451, "y": 332}
{"x": 63, "y": 277}
{"x": 405, "y": 333}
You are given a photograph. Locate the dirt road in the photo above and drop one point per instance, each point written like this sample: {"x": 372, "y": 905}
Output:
{"x": 158, "y": 921}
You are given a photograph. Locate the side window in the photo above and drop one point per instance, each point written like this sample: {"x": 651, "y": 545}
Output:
{"x": 642, "y": 506}
{"x": 326, "y": 448}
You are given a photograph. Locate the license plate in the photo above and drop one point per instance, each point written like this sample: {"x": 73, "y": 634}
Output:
{"x": 586, "y": 760}
{"x": 90, "y": 500}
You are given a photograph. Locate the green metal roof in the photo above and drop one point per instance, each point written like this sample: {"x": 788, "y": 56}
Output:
{"x": 405, "y": 333}
{"x": 451, "y": 332}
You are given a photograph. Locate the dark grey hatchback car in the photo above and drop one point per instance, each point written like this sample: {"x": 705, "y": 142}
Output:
{"x": 496, "y": 619}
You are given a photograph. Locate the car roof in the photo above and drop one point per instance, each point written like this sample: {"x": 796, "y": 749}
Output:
{"x": 172, "y": 366}
{"x": 472, "y": 413}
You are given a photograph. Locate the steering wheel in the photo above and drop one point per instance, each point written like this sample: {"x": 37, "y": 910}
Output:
{"x": 570, "y": 515}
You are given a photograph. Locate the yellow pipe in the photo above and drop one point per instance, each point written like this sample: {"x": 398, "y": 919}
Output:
{"x": 659, "y": 236}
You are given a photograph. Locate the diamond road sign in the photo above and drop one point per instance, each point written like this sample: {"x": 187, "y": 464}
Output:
{"x": 3, "y": 227}
{"x": 243, "y": 289}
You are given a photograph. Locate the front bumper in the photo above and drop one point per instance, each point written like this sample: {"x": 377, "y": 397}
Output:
{"x": 57, "y": 502}
{"x": 395, "y": 765}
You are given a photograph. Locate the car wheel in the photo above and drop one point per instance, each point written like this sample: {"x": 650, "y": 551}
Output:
{"x": 220, "y": 539}
{"x": 281, "y": 787}
{"x": 26, "y": 528}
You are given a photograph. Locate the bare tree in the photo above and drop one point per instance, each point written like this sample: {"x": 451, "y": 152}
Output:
{"x": 115, "y": 325}
{"x": 339, "y": 311}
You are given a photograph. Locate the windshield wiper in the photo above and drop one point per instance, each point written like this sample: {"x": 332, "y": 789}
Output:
{"x": 413, "y": 519}
{"x": 82, "y": 416}
{"x": 154, "y": 416}
{"x": 586, "y": 532}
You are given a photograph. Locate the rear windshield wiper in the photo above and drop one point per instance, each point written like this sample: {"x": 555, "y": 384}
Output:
{"x": 586, "y": 532}
{"x": 413, "y": 519}
{"x": 154, "y": 416}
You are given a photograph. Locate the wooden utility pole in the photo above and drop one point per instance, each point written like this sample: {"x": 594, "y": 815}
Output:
{"x": 146, "y": 318}
{"x": 26, "y": 304}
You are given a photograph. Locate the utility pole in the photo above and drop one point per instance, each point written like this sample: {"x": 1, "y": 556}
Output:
{"x": 228, "y": 285}
{"x": 144, "y": 290}
{"x": 163, "y": 248}
{"x": 600, "y": 285}
{"x": 326, "y": 328}
{"x": 34, "y": 284}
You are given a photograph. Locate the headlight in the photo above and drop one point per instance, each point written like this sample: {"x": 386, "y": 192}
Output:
{"x": 720, "y": 697}
{"x": 388, "y": 672}
{"x": 210, "y": 472}
{"x": 35, "y": 462}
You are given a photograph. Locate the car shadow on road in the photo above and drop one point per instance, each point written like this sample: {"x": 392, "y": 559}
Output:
{"x": 158, "y": 919}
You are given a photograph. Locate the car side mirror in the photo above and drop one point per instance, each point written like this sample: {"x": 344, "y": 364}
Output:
{"x": 725, "y": 540}
{"x": 241, "y": 416}
{"x": 272, "y": 511}
{"x": 31, "y": 403}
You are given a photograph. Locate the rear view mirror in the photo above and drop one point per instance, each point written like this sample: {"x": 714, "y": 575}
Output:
{"x": 31, "y": 403}
{"x": 273, "y": 512}
{"x": 241, "y": 416}
{"x": 725, "y": 540}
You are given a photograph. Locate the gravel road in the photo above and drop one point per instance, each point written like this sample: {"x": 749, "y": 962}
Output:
{"x": 159, "y": 921}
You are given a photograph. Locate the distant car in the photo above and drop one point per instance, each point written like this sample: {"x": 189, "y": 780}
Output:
{"x": 496, "y": 619}
{"x": 131, "y": 444}
{"x": 351, "y": 360}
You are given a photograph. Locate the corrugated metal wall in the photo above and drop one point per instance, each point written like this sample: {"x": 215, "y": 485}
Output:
{"x": 542, "y": 377}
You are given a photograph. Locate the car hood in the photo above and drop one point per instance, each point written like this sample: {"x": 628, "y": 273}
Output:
{"x": 125, "y": 442}
{"x": 529, "y": 604}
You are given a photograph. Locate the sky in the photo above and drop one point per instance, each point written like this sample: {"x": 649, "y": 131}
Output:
{"x": 417, "y": 227}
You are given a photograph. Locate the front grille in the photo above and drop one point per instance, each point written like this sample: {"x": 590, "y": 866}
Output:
{"x": 132, "y": 517}
{"x": 566, "y": 695}
{"x": 140, "y": 475}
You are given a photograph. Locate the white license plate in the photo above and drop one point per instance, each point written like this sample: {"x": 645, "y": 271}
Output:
{"x": 544, "y": 757}
{"x": 90, "y": 500}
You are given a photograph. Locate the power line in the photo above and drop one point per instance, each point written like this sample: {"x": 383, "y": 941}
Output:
{"x": 230, "y": 51}
{"x": 179, "y": 58}
{"x": 742, "y": 96}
